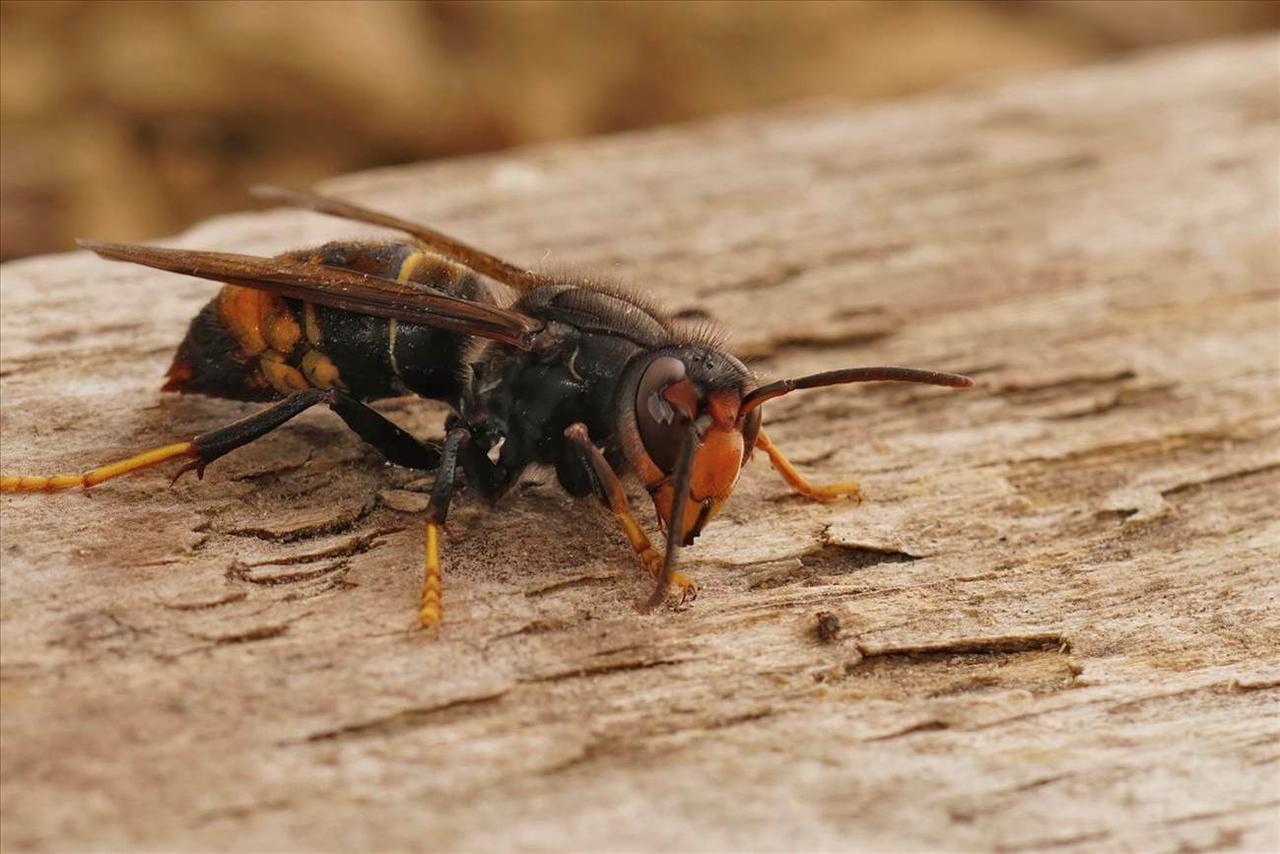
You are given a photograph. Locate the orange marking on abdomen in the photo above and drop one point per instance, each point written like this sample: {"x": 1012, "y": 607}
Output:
{"x": 281, "y": 329}
{"x": 311, "y": 324}
{"x": 284, "y": 378}
{"x": 320, "y": 370}
{"x": 246, "y": 311}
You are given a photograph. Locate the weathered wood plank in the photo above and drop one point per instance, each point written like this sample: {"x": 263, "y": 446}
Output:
{"x": 1058, "y": 602}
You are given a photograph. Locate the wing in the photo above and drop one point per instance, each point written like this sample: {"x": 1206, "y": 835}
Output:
{"x": 338, "y": 288}
{"x": 455, "y": 250}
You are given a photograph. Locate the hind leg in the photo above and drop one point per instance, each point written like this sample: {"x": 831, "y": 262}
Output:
{"x": 395, "y": 444}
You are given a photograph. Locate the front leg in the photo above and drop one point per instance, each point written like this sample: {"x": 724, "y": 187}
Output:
{"x": 610, "y": 491}
{"x": 797, "y": 481}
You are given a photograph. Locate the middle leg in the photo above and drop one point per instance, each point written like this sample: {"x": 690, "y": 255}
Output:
{"x": 431, "y": 606}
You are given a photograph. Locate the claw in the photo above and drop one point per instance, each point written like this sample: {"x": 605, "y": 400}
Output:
{"x": 688, "y": 588}
{"x": 196, "y": 466}
{"x": 679, "y": 581}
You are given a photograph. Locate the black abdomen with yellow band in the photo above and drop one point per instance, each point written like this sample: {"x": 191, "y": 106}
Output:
{"x": 250, "y": 344}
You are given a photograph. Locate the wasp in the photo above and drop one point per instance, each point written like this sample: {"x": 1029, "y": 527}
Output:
{"x": 590, "y": 380}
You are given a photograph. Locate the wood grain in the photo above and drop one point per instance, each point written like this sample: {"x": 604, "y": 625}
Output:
{"x": 1057, "y": 606}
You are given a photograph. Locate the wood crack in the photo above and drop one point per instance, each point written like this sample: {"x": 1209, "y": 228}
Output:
{"x": 336, "y": 525}
{"x": 989, "y": 645}
{"x": 407, "y": 720}
{"x": 930, "y": 725}
{"x": 588, "y": 670}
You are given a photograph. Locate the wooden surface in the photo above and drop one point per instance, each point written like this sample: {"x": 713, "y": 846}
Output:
{"x": 1057, "y": 606}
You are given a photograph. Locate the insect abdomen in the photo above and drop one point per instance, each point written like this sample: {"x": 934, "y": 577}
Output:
{"x": 248, "y": 344}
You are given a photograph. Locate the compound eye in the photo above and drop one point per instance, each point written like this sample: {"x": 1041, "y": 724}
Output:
{"x": 665, "y": 404}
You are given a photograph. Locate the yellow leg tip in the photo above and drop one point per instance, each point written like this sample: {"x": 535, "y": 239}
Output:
{"x": 431, "y": 610}
{"x": 429, "y": 615}
{"x": 827, "y": 493}
{"x": 59, "y": 482}
{"x": 12, "y": 483}
{"x": 39, "y": 483}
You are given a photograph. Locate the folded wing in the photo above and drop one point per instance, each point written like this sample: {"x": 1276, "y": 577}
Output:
{"x": 338, "y": 288}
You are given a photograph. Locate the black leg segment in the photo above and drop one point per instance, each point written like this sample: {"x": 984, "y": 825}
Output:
{"x": 446, "y": 475}
{"x": 393, "y": 443}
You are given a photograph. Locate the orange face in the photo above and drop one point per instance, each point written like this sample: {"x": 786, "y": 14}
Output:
{"x": 716, "y": 466}
{"x": 668, "y": 406}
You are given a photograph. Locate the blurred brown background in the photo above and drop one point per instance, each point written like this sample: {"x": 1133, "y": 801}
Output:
{"x": 129, "y": 120}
